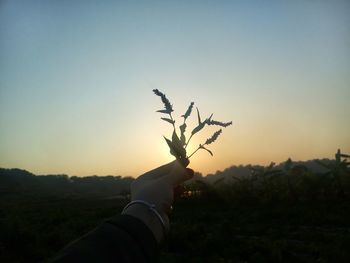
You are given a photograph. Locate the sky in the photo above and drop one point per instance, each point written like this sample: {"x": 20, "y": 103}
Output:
{"x": 76, "y": 80}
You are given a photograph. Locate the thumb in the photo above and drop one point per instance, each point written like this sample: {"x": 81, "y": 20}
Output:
{"x": 178, "y": 174}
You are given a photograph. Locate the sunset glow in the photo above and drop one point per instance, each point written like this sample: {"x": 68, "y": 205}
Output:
{"x": 76, "y": 82}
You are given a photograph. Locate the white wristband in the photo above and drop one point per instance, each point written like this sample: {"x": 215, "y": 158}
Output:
{"x": 151, "y": 207}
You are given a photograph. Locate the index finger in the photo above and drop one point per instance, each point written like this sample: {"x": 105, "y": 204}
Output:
{"x": 158, "y": 172}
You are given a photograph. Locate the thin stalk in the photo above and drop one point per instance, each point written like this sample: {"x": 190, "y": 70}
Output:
{"x": 171, "y": 117}
{"x": 193, "y": 153}
{"x": 188, "y": 141}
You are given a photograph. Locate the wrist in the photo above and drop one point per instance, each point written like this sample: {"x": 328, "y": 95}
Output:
{"x": 150, "y": 219}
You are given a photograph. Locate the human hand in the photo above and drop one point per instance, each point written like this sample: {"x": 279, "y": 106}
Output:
{"x": 157, "y": 187}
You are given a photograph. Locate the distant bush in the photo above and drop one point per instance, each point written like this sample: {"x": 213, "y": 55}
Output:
{"x": 293, "y": 182}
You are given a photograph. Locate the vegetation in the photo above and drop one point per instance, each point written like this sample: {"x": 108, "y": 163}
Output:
{"x": 291, "y": 212}
{"x": 178, "y": 144}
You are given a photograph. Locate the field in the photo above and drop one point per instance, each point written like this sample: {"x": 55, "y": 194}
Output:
{"x": 202, "y": 230}
{"x": 273, "y": 215}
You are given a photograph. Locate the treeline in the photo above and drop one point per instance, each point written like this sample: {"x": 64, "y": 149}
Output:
{"x": 294, "y": 181}
{"x": 288, "y": 181}
{"x": 14, "y": 181}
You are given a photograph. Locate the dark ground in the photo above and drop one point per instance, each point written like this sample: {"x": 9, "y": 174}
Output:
{"x": 34, "y": 227}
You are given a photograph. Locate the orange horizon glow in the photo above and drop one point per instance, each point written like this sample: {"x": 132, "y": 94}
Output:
{"x": 77, "y": 79}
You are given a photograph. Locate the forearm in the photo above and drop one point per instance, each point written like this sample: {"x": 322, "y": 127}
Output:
{"x": 121, "y": 239}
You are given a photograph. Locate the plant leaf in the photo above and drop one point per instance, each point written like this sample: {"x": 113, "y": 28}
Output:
{"x": 202, "y": 147}
{"x": 188, "y": 112}
{"x": 164, "y": 111}
{"x": 183, "y": 128}
{"x": 183, "y": 137}
{"x": 168, "y": 120}
{"x": 198, "y": 128}
{"x": 171, "y": 146}
{"x": 175, "y": 150}
{"x": 199, "y": 117}
{"x": 176, "y": 141}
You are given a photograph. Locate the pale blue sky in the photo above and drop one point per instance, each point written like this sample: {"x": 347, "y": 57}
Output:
{"x": 76, "y": 81}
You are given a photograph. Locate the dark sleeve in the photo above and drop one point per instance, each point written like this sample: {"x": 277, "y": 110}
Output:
{"x": 121, "y": 239}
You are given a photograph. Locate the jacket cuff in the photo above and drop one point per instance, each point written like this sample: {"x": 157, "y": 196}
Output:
{"x": 139, "y": 232}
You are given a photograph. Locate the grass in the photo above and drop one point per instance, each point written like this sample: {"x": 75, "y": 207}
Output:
{"x": 217, "y": 232}
{"x": 203, "y": 229}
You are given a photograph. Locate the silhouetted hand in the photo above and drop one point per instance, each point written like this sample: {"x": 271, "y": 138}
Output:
{"x": 157, "y": 187}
